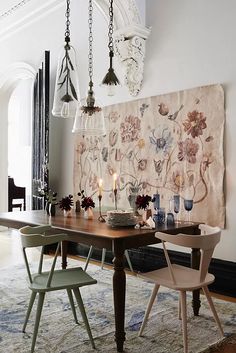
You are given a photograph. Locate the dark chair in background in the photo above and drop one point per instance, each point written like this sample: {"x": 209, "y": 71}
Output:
{"x": 15, "y": 193}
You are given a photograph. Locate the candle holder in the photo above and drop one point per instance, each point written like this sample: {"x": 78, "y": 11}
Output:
{"x": 115, "y": 198}
{"x": 100, "y": 218}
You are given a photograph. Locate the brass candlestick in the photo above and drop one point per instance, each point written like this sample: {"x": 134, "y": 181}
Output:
{"x": 100, "y": 218}
{"x": 115, "y": 196}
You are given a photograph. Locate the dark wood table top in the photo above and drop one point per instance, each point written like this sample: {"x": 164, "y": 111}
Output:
{"x": 92, "y": 231}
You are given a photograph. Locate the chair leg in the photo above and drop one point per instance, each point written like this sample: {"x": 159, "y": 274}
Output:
{"x": 179, "y": 308}
{"x": 128, "y": 260}
{"x": 31, "y": 302}
{"x": 37, "y": 319}
{"x": 83, "y": 313}
{"x": 88, "y": 257}
{"x": 184, "y": 320}
{"x": 103, "y": 257}
{"x": 149, "y": 307}
{"x": 69, "y": 293}
{"x": 211, "y": 304}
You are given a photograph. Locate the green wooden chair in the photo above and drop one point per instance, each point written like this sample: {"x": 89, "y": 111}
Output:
{"x": 40, "y": 283}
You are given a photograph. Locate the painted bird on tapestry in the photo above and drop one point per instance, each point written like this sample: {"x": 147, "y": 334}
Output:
{"x": 143, "y": 107}
{"x": 174, "y": 116}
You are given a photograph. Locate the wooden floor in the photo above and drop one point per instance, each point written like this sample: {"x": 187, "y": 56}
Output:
{"x": 11, "y": 254}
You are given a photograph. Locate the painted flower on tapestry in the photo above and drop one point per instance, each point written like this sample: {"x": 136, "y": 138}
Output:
{"x": 141, "y": 143}
{"x": 206, "y": 161}
{"x": 144, "y": 185}
{"x": 163, "y": 109}
{"x": 158, "y": 166}
{"x": 81, "y": 147}
{"x": 114, "y": 116}
{"x": 130, "y": 155}
{"x": 178, "y": 180}
{"x": 143, "y": 107}
{"x": 113, "y": 137}
{"x": 130, "y": 129}
{"x": 209, "y": 138}
{"x": 142, "y": 164}
{"x": 110, "y": 169}
{"x": 93, "y": 182}
{"x": 190, "y": 178}
{"x": 105, "y": 154}
{"x": 118, "y": 155}
{"x": 188, "y": 150}
{"x": 162, "y": 141}
{"x": 195, "y": 124}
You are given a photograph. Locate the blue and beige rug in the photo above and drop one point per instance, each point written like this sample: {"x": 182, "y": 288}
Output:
{"x": 59, "y": 334}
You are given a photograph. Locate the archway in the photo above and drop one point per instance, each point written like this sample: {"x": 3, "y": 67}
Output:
{"x": 8, "y": 82}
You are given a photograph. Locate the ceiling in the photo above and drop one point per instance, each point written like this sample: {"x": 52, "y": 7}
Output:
{"x": 6, "y": 6}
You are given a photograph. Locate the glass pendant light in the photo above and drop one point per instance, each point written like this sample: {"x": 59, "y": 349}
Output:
{"x": 110, "y": 80}
{"x": 89, "y": 119}
{"x": 66, "y": 94}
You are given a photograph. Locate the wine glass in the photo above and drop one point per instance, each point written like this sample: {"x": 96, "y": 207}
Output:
{"x": 188, "y": 205}
{"x": 176, "y": 199}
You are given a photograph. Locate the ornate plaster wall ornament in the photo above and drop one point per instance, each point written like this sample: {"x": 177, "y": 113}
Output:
{"x": 130, "y": 46}
{"x": 133, "y": 10}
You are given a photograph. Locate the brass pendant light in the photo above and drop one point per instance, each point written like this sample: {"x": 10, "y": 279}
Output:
{"x": 110, "y": 80}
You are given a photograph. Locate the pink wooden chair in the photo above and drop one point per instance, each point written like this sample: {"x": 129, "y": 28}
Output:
{"x": 185, "y": 279}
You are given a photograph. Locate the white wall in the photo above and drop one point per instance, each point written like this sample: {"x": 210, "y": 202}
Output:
{"x": 191, "y": 44}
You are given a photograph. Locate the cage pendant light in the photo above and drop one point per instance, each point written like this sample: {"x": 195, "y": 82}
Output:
{"x": 110, "y": 80}
{"x": 89, "y": 119}
{"x": 66, "y": 94}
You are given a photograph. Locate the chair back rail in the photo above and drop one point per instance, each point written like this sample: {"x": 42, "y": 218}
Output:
{"x": 206, "y": 242}
{"x": 36, "y": 237}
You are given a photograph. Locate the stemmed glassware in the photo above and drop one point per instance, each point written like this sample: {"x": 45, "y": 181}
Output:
{"x": 176, "y": 199}
{"x": 188, "y": 205}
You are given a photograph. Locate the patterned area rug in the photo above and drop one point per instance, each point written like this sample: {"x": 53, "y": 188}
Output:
{"x": 59, "y": 334}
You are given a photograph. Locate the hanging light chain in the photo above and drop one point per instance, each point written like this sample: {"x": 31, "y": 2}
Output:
{"x": 67, "y": 14}
{"x": 90, "y": 55}
{"x": 110, "y": 28}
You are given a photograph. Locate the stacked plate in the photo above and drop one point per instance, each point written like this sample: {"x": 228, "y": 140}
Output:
{"x": 121, "y": 218}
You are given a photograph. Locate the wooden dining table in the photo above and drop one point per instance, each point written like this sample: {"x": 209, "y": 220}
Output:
{"x": 100, "y": 235}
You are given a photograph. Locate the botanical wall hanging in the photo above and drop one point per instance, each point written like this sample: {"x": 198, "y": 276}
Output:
{"x": 170, "y": 144}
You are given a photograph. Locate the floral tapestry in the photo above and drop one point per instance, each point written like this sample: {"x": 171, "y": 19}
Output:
{"x": 168, "y": 144}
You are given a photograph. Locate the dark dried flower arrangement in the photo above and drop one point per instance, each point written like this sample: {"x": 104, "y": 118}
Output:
{"x": 86, "y": 202}
{"x": 66, "y": 202}
{"x": 142, "y": 201}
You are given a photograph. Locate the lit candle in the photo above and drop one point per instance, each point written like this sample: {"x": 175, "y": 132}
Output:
{"x": 100, "y": 183}
{"x": 114, "y": 181}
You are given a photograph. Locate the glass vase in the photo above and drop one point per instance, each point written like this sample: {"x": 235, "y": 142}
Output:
{"x": 88, "y": 214}
{"x": 67, "y": 213}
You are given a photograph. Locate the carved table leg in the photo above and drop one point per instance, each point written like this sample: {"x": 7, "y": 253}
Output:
{"x": 119, "y": 286}
{"x": 195, "y": 262}
{"x": 64, "y": 248}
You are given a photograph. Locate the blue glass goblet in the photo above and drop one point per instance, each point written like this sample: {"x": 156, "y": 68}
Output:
{"x": 156, "y": 201}
{"x": 176, "y": 199}
{"x": 188, "y": 205}
{"x": 159, "y": 217}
